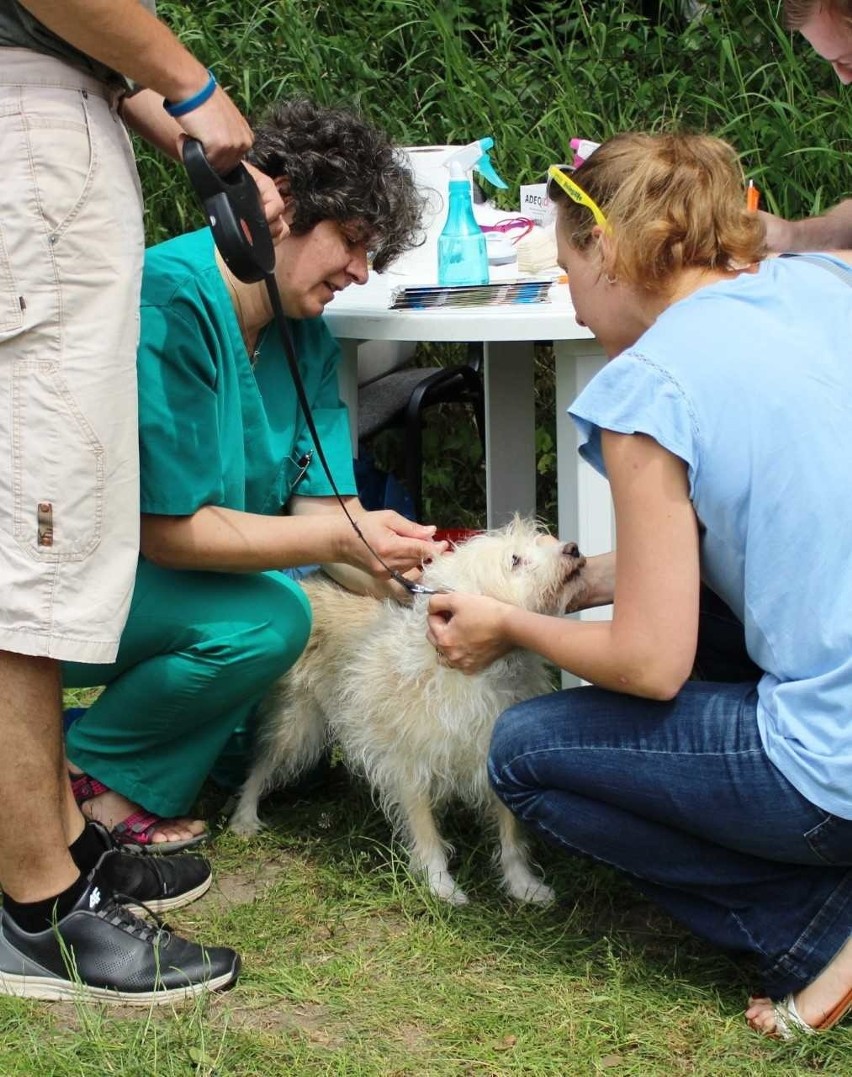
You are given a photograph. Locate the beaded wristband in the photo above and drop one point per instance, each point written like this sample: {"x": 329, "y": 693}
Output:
{"x": 180, "y": 108}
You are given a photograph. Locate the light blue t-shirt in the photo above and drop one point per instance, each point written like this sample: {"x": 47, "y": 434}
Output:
{"x": 749, "y": 381}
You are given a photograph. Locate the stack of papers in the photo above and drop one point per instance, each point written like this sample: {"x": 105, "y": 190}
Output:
{"x": 474, "y": 295}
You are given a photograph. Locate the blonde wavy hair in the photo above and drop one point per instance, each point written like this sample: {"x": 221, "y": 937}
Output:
{"x": 673, "y": 202}
{"x": 797, "y": 12}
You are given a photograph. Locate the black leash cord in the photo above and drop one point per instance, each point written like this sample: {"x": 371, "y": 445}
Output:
{"x": 292, "y": 362}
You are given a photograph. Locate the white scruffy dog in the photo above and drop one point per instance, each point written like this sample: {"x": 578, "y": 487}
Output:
{"x": 419, "y": 731}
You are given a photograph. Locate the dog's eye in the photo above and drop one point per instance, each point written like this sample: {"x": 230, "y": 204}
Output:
{"x": 516, "y": 560}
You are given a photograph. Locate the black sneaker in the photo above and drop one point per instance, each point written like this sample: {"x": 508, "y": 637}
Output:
{"x": 155, "y": 883}
{"x": 101, "y": 951}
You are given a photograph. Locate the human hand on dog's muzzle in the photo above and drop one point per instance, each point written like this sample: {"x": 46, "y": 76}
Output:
{"x": 468, "y": 631}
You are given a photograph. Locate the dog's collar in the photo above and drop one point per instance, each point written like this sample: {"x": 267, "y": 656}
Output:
{"x": 417, "y": 588}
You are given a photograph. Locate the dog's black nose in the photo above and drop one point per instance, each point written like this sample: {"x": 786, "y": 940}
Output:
{"x": 571, "y": 549}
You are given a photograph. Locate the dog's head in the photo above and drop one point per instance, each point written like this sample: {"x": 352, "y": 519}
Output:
{"x": 520, "y": 563}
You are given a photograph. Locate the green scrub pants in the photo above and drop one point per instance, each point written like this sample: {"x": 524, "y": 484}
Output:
{"x": 197, "y": 654}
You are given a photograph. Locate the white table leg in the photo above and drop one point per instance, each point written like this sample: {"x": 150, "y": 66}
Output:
{"x": 509, "y": 431}
{"x": 585, "y": 504}
{"x": 347, "y": 381}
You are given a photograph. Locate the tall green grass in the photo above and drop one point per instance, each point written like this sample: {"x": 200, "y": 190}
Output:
{"x": 532, "y": 75}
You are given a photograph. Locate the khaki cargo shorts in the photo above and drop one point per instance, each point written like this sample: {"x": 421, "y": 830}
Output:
{"x": 71, "y": 247}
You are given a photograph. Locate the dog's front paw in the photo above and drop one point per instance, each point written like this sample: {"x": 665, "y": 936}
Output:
{"x": 443, "y": 886}
{"x": 531, "y": 892}
{"x": 246, "y": 826}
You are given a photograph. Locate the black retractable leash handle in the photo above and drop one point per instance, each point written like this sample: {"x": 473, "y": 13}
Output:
{"x": 235, "y": 214}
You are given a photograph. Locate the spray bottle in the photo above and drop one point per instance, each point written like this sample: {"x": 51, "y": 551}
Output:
{"x": 462, "y": 253}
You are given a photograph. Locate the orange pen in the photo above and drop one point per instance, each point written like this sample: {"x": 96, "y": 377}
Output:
{"x": 752, "y": 197}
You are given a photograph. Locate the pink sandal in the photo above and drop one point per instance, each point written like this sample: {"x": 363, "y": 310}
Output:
{"x": 137, "y": 830}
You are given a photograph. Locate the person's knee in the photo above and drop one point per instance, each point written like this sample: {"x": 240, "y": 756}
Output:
{"x": 287, "y": 632}
{"x": 281, "y": 636}
{"x": 260, "y": 648}
{"x": 504, "y": 748}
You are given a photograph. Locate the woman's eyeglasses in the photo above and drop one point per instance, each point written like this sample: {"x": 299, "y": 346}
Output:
{"x": 557, "y": 174}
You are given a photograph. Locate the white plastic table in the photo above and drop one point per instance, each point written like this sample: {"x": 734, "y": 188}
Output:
{"x": 508, "y": 333}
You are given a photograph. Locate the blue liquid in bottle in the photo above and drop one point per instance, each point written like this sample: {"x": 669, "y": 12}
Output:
{"x": 462, "y": 253}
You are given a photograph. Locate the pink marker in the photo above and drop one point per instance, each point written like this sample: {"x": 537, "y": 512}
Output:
{"x": 583, "y": 150}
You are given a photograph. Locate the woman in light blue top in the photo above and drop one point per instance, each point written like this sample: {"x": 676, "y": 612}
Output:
{"x": 724, "y": 425}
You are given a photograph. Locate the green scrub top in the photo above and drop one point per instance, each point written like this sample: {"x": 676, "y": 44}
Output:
{"x": 214, "y": 430}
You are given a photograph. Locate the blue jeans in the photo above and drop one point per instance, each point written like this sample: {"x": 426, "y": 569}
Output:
{"x": 681, "y": 797}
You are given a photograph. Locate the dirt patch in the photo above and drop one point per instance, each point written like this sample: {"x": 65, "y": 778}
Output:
{"x": 232, "y": 888}
{"x": 281, "y": 1017}
{"x": 413, "y": 1038}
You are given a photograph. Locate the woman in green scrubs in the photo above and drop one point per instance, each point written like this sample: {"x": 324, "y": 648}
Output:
{"x": 232, "y": 491}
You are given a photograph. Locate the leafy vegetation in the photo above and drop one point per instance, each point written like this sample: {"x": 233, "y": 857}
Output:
{"x": 533, "y": 75}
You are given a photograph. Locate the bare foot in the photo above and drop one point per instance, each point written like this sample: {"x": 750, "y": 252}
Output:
{"x": 111, "y": 808}
{"x": 814, "y": 1002}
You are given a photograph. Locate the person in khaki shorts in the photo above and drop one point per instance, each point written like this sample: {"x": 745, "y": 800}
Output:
{"x": 71, "y": 246}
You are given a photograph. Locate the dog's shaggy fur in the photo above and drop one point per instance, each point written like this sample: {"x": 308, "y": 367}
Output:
{"x": 419, "y": 731}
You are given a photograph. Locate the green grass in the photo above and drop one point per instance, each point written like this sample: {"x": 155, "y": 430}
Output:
{"x": 351, "y": 969}
{"x": 533, "y": 75}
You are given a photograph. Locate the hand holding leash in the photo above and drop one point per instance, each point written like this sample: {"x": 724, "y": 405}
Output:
{"x": 218, "y": 124}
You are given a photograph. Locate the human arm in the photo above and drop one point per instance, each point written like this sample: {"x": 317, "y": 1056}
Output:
{"x": 217, "y": 539}
{"x": 128, "y": 38}
{"x": 143, "y": 112}
{"x": 599, "y": 581}
{"x": 223, "y": 449}
{"x": 831, "y": 231}
{"x": 649, "y": 646}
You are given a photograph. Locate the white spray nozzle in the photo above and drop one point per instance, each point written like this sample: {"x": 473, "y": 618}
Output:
{"x": 474, "y": 156}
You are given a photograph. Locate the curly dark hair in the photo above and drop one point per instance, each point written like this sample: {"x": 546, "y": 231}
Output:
{"x": 341, "y": 168}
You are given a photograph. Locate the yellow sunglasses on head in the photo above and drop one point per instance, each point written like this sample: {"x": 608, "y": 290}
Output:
{"x": 576, "y": 193}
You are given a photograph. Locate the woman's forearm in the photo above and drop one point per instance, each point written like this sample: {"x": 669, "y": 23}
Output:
{"x": 216, "y": 539}
{"x": 599, "y": 580}
{"x": 604, "y": 653}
